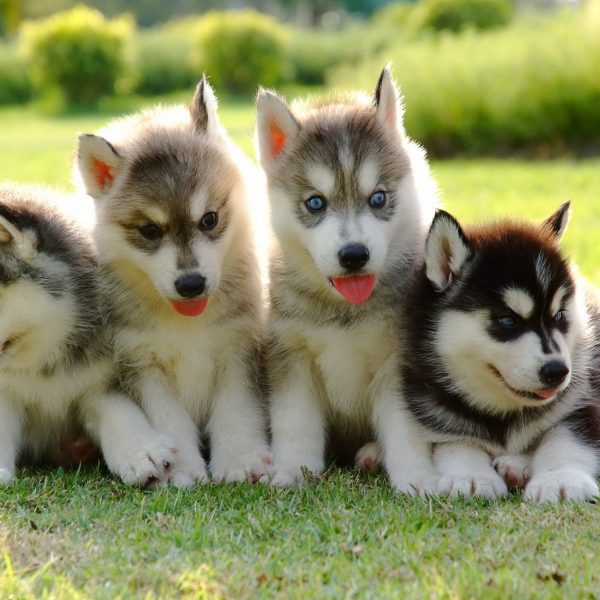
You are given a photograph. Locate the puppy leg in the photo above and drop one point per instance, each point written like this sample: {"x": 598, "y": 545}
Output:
{"x": 10, "y": 437}
{"x": 168, "y": 416}
{"x": 132, "y": 449}
{"x": 467, "y": 470}
{"x": 562, "y": 468}
{"x": 406, "y": 453}
{"x": 297, "y": 425}
{"x": 237, "y": 428}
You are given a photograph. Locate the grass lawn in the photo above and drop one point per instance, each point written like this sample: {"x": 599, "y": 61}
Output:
{"x": 83, "y": 534}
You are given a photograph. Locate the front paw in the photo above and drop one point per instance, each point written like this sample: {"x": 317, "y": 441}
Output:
{"x": 6, "y": 475}
{"x": 146, "y": 463}
{"x": 188, "y": 470}
{"x": 367, "y": 458}
{"x": 513, "y": 468}
{"x": 562, "y": 484}
{"x": 255, "y": 466}
{"x": 481, "y": 485}
{"x": 418, "y": 483}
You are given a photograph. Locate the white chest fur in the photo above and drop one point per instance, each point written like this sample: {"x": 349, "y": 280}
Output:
{"x": 348, "y": 359}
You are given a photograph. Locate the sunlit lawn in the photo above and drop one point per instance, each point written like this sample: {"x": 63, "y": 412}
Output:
{"x": 84, "y": 534}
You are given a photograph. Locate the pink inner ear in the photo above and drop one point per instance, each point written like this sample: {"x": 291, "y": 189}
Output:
{"x": 278, "y": 139}
{"x": 102, "y": 172}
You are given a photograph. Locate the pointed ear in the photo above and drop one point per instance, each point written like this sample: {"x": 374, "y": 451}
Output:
{"x": 557, "y": 222}
{"x": 12, "y": 237}
{"x": 446, "y": 250}
{"x": 99, "y": 164}
{"x": 388, "y": 103}
{"x": 203, "y": 108}
{"x": 276, "y": 126}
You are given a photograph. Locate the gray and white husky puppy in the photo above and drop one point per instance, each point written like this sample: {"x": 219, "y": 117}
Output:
{"x": 502, "y": 366}
{"x": 177, "y": 249}
{"x": 56, "y": 368}
{"x": 351, "y": 201}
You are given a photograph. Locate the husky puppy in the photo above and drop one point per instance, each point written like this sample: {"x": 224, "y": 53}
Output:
{"x": 179, "y": 259}
{"x": 55, "y": 363}
{"x": 502, "y": 368}
{"x": 351, "y": 201}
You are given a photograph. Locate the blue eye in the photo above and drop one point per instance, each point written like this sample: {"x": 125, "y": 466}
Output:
{"x": 559, "y": 316}
{"x": 377, "y": 199}
{"x": 507, "y": 322}
{"x": 316, "y": 204}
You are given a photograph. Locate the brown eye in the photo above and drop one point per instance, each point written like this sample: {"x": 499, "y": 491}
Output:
{"x": 151, "y": 231}
{"x": 208, "y": 221}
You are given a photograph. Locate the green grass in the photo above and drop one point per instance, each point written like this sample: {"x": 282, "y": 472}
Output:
{"x": 74, "y": 534}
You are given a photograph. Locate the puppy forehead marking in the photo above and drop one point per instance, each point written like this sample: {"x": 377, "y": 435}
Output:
{"x": 321, "y": 178}
{"x": 558, "y": 299}
{"x": 156, "y": 214}
{"x": 198, "y": 205}
{"x": 519, "y": 301}
{"x": 543, "y": 270}
{"x": 346, "y": 159}
{"x": 368, "y": 176}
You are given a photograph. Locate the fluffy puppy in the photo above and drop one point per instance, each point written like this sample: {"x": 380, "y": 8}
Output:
{"x": 180, "y": 266}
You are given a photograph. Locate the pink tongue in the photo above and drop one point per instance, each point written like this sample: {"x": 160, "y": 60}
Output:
{"x": 545, "y": 394}
{"x": 190, "y": 308}
{"x": 355, "y": 288}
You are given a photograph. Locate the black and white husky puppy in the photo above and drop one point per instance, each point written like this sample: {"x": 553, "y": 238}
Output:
{"x": 351, "y": 203}
{"x": 503, "y": 365}
{"x": 56, "y": 368}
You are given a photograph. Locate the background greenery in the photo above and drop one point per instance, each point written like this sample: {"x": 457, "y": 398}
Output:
{"x": 525, "y": 84}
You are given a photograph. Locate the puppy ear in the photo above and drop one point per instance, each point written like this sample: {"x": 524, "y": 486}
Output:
{"x": 446, "y": 250}
{"x": 387, "y": 100}
{"x": 203, "y": 108}
{"x": 557, "y": 222}
{"x": 276, "y": 126}
{"x": 99, "y": 164}
{"x": 11, "y": 237}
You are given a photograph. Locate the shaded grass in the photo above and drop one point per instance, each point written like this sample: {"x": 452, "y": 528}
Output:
{"x": 82, "y": 534}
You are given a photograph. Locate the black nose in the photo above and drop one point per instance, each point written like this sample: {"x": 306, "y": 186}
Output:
{"x": 554, "y": 372}
{"x": 190, "y": 285}
{"x": 353, "y": 256}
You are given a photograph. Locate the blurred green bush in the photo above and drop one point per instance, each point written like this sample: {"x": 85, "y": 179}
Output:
{"x": 240, "y": 50}
{"x": 163, "y": 58}
{"x": 533, "y": 86}
{"x": 78, "y": 54}
{"x": 15, "y": 86}
{"x": 456, "y": 15}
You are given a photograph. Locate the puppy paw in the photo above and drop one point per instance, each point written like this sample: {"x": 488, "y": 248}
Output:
{"x": 6, "y": 475}
{"x": 147, "y": 464}
{"x": 188, "y": 470}
{"x": 481, "y": 485}
{"x": 562, "y": 484}
{"x": 367, "y": 458}
{"x": 417, "y": 484}
{"x": 513, "y": 468}
{"x": 255, "y": 466}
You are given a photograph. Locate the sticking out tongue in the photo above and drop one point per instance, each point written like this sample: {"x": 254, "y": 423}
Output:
{"x": 190, "y": 308}
{"x": 355, "y": 288}
{"x": 545, "y": 394}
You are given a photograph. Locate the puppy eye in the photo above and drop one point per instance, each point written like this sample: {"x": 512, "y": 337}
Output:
{"x": 151, "y": 231}
{"x": 316, "y": 204}
{"x": 559, "y": 316}
{"x": 209, "y": 221}
{"x": 377, "y": 199}
{"x": 507, "y": 322}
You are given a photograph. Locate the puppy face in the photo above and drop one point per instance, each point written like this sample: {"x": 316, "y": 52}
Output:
{"x": 165, "y": 202}
{"x": 339, "y": 174}
{"x": 512, "y": 313}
